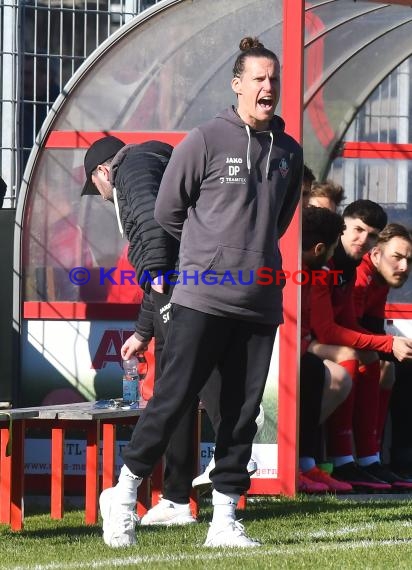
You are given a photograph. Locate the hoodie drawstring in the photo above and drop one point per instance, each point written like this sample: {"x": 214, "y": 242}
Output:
{"x": 116, "y": 207}
{"x": 270, "y": 150}
{"x": 248, "y": 150}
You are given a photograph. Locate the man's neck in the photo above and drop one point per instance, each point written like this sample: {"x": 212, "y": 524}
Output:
{"x": 252, "y": 122}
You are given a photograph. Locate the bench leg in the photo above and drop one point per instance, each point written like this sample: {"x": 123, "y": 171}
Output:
{"x": 5, "y": 478}
{"x": 109, "y": 446}
{"x": 157, "y": 483}
{"x": 143, "y": 497}
{"x": 57, "y": 474}
{"x": 92, "y": 472}
{"x": 242, "y": 502}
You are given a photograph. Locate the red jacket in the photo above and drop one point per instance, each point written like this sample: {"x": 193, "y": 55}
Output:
{"x": 369, "y": 295}
{"x": 333, "y": 317}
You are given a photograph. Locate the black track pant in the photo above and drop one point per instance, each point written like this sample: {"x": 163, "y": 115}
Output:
{"x": 197, "y": 342}
{"x": 400, "y": 407}
{"x": 312, "y": 380}
{"x": 180, "y": 465}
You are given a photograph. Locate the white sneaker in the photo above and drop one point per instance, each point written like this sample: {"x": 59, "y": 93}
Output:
{"x": 260, "y": 420}
{"x": 252, "y": 467}
{"x": 119, "y": 521}
{"x": 166, "y": 513}
{"x": 233, "y": 535}
{"x": 203, "y": 482}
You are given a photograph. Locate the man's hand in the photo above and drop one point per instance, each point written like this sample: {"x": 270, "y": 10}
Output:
{"x": 402, "y": 348}
{"x": 157, "y": 284}
{"x": 134, "y": 346}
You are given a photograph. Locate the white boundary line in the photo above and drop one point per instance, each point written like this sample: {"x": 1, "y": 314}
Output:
{"x": 215, "y": 555}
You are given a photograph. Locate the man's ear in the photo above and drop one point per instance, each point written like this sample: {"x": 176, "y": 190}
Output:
{"x": 236, "y": 85}
{"x": 375, "y": 254}
{"x": 104, "y": 170}
{"x": 319, "y": 249}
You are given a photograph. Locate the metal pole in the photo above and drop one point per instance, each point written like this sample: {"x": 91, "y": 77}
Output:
{"x": 289, "y": 334}
{"x": 8, "y": 99}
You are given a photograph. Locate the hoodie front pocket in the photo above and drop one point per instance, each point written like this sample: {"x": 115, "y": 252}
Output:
{"x": 241, "y": 263}
{"x": 238, "y": 281}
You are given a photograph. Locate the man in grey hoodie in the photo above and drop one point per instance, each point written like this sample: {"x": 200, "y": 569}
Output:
{"x": 228, "y": 194}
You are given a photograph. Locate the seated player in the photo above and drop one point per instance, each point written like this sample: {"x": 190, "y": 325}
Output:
{"x": 323, "y": 384}
{"x": 336, "y": 331}
{"x": 386, "y": 266}
{"x": 326, "y": 195}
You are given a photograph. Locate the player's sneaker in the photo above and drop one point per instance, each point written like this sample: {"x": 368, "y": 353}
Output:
{"x": 319, "y": 476}
{"x": 168, "y": 514}
{"x": 385, "y": 474}
{"x": 306, "y": 485}
{"x": 359, "y": 478}
{"x": 203, "y": 481}
{"x": 119, "y": 521}
{"x": 233, "y": 535}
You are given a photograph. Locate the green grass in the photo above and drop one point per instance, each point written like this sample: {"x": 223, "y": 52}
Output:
{"x": 305, "y": 533}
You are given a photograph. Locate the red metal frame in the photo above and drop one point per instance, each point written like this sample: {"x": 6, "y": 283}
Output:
{"x": 60, "y": 310}
{"x": 83, "y": 139}
{"x": 398, "y": 311}
{"x": 292, "y": 112}
{"x": 5, "y": 477}
{"x": 391, "y": 151}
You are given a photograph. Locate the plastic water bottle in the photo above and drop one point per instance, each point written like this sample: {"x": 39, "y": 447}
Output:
{"x": 130, "y": 380}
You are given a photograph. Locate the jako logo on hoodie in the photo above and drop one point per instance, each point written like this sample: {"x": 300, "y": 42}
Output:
{"x": 233, "y": 171}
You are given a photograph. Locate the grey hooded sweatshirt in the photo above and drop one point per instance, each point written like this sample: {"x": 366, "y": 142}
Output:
{"x": 228, "y": 194}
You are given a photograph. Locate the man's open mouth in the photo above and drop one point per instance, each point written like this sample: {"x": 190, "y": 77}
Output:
{"x": 266, "y": 102}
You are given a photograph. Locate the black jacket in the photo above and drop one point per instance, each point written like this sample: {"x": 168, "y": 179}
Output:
{"x": 136, "y": 172}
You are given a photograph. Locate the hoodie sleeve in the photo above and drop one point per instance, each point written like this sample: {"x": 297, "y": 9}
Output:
{"x": 181, "y": 183}
{"x": 293, "y": 194}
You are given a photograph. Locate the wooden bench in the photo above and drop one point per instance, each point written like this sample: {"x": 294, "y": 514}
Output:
{"x": 99, "y": 425}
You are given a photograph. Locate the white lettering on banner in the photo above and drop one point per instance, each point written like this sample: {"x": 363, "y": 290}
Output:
{"x": 109, "y": 349}
{"x": 37, "y": 457}
{"x": 265, "y": 455}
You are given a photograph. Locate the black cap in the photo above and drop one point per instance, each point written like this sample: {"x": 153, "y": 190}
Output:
{"x": 98, "y": 153}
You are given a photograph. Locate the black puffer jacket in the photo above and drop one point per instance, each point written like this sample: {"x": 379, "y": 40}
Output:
{"x": 136, "y": 172}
